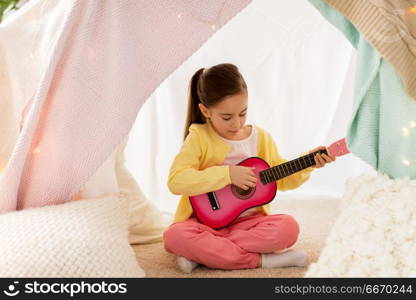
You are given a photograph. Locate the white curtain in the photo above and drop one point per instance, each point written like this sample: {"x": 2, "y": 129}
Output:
{"x": 300, "y": 74}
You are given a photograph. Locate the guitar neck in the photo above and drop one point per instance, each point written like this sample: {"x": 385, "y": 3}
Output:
{"x": 288, "y": 168}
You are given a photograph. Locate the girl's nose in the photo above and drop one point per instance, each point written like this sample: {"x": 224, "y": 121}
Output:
{"x": 236, "y": 124}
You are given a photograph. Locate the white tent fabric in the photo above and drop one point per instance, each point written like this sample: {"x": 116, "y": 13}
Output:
{"x": 300, "y": 73}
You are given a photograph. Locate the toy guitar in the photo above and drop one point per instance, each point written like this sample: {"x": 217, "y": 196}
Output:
{"x": 219, "y": 208}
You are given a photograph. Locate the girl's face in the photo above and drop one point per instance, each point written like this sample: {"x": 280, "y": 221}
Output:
{"x": 228, "y": 116}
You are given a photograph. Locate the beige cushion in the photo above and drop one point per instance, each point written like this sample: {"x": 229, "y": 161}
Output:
{"x": 85, "y": 238}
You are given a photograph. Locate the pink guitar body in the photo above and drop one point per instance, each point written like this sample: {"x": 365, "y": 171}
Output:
{"x": 219, "y": 208}
{"x": 231, "y": 201}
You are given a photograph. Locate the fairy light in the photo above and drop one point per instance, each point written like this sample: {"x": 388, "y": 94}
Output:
{"x": 412, "y": 124}
{"x": 405, "y": 131}
{"x": 213, "y": 21}
{"x": 413, "y": 10}
{"x": 36, "y": 150}
{"x": 406, "y": 162}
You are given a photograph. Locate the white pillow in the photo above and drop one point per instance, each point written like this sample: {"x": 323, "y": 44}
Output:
{"x": 375, "y": 233}
{"x": 85, "y": 238}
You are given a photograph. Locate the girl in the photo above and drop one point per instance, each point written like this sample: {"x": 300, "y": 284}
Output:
{"x": 215, "y": 140}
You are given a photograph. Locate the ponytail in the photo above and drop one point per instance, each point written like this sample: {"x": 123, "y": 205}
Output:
{"x": 194, "y": 114}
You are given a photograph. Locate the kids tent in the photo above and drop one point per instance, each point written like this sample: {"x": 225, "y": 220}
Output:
{"x": 76, "y": 74}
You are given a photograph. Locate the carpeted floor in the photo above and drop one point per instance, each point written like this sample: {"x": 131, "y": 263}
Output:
{"x": 315, "y": 216}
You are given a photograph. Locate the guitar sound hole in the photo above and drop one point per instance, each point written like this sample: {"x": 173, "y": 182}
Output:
{"x": 242, "y": 194}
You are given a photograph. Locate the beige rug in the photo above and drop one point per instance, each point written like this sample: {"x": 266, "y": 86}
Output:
{"x": 315, "y": 215}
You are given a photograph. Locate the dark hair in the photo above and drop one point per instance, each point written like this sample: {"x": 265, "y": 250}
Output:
{"x": 209, "y": 87}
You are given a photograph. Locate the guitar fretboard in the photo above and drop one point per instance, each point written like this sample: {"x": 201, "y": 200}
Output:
{"x": 288, "y": 168}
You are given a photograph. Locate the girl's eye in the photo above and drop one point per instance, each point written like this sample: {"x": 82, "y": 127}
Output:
{"x": 228, "y": 119}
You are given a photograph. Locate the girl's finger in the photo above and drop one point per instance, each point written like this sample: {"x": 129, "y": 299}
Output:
{"x": 317, "y": 162}
{"x": 322, "y": 160}
{"x": 252, "y": 183}
{"x": 328, "y": 158}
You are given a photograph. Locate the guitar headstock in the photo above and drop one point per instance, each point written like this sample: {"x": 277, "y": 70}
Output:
{"x": 338, "y": 148}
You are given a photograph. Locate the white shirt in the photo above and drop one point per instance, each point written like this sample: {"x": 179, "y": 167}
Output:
{"x": 240, "y": 150}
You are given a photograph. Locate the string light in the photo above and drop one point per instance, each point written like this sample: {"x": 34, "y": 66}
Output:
{"x": 406, "y": 162}
{"x": 412, "y": 124}
{"x": 405, "y": 131}
{"x": 213, "y": 21}
{"x": 36, "y": 150}
{"x": 413, "y": 10}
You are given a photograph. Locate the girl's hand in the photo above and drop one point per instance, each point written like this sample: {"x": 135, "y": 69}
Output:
{"x": 321, "y": 159}
{"x": 243, "y": 177}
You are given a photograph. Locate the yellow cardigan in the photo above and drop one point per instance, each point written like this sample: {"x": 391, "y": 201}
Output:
{"x": 198, "y": 167}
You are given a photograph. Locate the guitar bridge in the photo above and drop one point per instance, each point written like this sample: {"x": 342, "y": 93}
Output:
{"x": 213, "y": 201}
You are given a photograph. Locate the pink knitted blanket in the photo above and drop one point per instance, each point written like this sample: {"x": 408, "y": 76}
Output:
{"x": 107, "y": 60}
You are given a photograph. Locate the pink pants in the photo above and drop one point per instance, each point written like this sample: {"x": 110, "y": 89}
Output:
{"x": 234, "y": 247}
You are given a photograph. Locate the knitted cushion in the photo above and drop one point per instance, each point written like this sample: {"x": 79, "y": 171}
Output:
{"x": 375, "y": 234}
{"x": 85, "y": 238}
